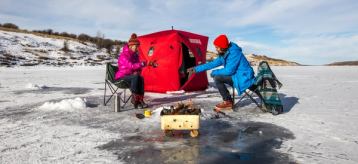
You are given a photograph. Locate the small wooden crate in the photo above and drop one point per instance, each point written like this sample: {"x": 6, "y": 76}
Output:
{"x": 181, "y": 122}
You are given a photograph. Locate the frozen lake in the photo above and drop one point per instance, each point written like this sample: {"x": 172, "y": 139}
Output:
{"x": 56, "y": 115}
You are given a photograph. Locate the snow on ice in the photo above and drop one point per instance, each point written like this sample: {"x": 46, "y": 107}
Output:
{"x": 35, "y": 86}
{"x": 67, "y": 105}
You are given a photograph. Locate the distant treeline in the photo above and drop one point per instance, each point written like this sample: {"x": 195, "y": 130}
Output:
{"x": 99, "y": 40}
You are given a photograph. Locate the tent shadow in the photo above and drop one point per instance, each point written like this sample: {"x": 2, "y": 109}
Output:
{"x": 213, "y": 85}
{"x": 287, "y": 102}
{"x": 174, "y": 98}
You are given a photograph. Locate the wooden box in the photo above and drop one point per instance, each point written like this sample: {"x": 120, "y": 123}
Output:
{"x": 180, "y": 122}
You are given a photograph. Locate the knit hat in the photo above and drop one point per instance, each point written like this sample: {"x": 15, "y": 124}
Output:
{"x": 221, "y": 41}
{"x": 133, "y": 40}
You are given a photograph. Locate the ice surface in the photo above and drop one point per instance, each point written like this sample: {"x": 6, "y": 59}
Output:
{"x": 318, "y": 126}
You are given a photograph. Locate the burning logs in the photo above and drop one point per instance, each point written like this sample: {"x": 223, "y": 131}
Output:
{"x": 181, "y": 109}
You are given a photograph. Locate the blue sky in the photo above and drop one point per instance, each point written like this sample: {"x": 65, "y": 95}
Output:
{"x": 305, "y": 31}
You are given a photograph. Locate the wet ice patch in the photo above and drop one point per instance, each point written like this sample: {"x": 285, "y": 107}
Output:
{"x": 35, "y": 86}
{"x": 65, "y": 105}
{"x": 206, "y": 114}
{"x": 239, "y": 142}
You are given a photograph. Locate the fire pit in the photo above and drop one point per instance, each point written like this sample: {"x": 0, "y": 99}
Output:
{"x": 181, "y": 117}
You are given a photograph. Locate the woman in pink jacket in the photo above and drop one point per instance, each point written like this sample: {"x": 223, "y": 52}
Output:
{"x": 129, "y": 69}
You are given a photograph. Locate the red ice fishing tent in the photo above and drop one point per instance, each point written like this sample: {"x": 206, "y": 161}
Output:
{"x": 174, "y": 51}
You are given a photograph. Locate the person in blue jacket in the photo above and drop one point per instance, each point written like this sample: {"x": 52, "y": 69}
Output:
{"x": 236, "y": 72}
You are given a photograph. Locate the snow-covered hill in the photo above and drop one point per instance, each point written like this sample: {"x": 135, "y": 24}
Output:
{"x": 28, "y": 49}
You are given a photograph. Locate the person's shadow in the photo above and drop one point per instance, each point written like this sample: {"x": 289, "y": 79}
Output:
{"x": 287, "y": 101}
{"x": 175, "y": 98}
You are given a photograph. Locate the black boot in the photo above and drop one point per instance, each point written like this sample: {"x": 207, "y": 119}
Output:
{"x": 142, "y": 104}
{"x": 135, "y": 100}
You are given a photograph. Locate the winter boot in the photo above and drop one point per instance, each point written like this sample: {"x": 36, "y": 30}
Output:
{"x": 225, "y": 105}
{"x": 141, "y": 102}
{"x": 135, "y": 100}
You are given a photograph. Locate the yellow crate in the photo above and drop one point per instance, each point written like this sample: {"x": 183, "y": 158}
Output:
{"x": 181, "y": 122}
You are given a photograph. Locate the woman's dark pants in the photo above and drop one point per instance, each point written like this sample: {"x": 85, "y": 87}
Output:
{"x": 136, "y": 82}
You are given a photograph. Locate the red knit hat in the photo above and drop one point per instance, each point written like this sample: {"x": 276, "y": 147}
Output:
{"x": 133, "y": 40}
{"x": 221, "y": 41}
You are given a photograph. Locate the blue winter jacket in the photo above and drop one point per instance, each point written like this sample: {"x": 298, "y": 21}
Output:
{"x": 235, "y": 65}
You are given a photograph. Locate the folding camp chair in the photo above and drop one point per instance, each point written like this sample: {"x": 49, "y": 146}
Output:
{"x": 267, "y": 85}
{"x": 265, "y": 88}
{"x": 114, "y": 86}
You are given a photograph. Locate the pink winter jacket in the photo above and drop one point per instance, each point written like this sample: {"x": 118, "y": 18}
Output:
{"x": 128, "y": 63}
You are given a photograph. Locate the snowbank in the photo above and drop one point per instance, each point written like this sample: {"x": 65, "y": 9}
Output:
{"x": 211, "y": 89}
{"x": 35, "y": 86}
{"x": 155, "y": 117}
{"x": 66, "y": 105}
{"x": 180, "y": 92}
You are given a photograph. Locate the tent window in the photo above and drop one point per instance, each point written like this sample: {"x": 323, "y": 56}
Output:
{"x": 187, "y": 62}
{"x": 151, "y": 51}
{"x": 198, "y": 51}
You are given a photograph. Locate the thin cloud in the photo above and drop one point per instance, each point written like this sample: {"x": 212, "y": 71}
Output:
{"x": 294, "y": 30}
{"x": 311, "y": 50}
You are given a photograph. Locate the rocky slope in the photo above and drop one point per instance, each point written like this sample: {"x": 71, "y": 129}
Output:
{"x": 344, "y": 63}
{"x": 256, "y": 59}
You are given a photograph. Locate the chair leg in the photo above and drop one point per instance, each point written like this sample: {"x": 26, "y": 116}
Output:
{"x": 119, "y": 103}
{"x": 125, "y": 99}
{"x": 252, "y": 99}
{"x": 246, "y": 94}
{"x": 242, "y": 97}
{"x": 105, "y": 89}
{"x": 111, "y": 96}
{"x": 124, "y": 95}
{"x": 261, "y": 106}
{"x": 233, "y": 97}
{"x": 114, "y": 91}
